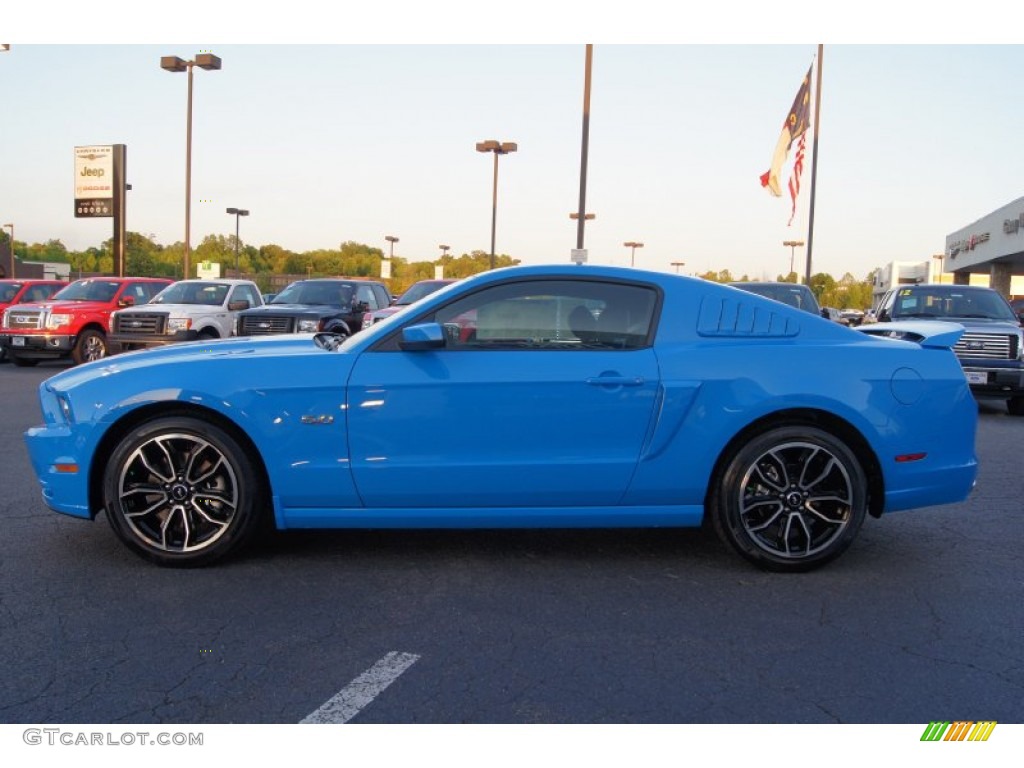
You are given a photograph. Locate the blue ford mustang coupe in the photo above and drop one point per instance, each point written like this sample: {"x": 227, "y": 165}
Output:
{"x": 552, "y": 396}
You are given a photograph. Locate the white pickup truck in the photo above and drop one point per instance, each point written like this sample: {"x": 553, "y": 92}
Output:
{"x": 187, "y": 310}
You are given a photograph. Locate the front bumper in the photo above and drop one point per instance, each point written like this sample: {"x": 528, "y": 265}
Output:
{"x": 53, "y": 450}
{"x": 992, "y": 381}
{"x": 129, "y": 341}
{"x": 40, "y": 345}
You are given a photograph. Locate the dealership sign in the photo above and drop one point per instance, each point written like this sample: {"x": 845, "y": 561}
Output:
{"x": 94, "y": 181}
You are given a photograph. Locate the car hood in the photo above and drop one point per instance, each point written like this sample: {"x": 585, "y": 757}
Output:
{"x": 293, "y": 309}
{"x": 68, "y": 306}
{"x": 188, "y": 353}
{"x": 982, "y": 323}
{"x": 187, "y": 309}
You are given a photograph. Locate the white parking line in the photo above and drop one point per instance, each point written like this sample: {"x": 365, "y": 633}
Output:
{"x": 355, "y": 696}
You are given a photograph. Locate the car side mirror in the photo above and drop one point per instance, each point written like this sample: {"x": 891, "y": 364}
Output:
{"x": 126, "y": 301}
{"x": 422, "y": 337}
{"x": 239, "y": 304}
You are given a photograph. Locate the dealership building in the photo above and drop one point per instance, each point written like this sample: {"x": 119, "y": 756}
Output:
{"x": 989, "y": 252}
{"x": 992, "y": 246}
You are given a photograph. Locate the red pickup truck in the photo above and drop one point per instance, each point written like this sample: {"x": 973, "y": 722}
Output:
{"x": 75, "y": 321}
{"x": 14, "y": 291}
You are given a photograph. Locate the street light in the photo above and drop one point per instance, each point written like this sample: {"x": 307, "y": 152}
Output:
{"x": 792, "y": 245}
{"x": 237, "y": 212}
{"x": 11, "y": 249}
{"x": 444, "y": 250}
{"x": 205, "y": 61}
{"x": 677, "y": 265}
{"x": 391, "y": 240}
{"x": 632, "y": 254}
{"x": 498, "y": 148}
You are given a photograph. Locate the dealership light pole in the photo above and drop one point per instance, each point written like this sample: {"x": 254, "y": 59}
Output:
{"x": 632, "y": 254}
{"x": 498, "y": 148}
{"x": 11, "y": 249}
{"x": 444, "y": 250}
{"x": 792, "y": 245}
{"x": 237, "y": 212}
{"x": 677, "y": 265}
{"x": 205, "y": 61}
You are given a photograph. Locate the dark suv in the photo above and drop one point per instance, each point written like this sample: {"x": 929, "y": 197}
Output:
{"x": 332, "y": 304}
{"x": 794, "y": 294}
{"x": 991, "y": 350}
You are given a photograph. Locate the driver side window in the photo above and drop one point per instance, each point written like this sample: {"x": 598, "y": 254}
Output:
{"x": 571, "y": 315}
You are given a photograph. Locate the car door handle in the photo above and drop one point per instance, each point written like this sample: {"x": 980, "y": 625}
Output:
{"x": 615, "y": 381}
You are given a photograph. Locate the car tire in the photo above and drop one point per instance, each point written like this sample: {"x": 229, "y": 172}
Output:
{"x": 182, "y": 492}
{"x": 91, "y": 345}
{"x": 790, "y": 499}
{"x": 23, "y": 362}
{"x": 1015, "y": 406}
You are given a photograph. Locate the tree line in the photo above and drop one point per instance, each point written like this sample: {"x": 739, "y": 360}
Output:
{"x": 144, "y": 257}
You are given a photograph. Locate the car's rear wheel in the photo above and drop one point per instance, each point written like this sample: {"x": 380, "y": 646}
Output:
{"x": 91, "y": 345}
{"x": 791, "y": 499}
{"x": 182, "y": 492}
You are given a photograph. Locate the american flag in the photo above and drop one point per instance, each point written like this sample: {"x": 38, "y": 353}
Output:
{"x": 794, "y": 178}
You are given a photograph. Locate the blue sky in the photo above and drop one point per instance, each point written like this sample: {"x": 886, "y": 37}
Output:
{"x": 326, "y": 140}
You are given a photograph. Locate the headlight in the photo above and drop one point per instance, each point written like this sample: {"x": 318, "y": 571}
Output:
{"x": 309, "y": 326}
{"x": 56, "y": 321}
{"x": 176, "y": 324}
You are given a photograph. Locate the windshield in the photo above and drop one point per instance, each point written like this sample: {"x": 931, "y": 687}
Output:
{"x": 795, "y": 295}
{"x": 952, "y": 301}
{"x": 88, "y": 290}
{"x": 419, "y": 290}
{"x": 335, "y": 294}
{"x": 212, "y": 294}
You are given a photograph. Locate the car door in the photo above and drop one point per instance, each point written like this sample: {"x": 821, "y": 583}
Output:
{"x": 520, "y": 408}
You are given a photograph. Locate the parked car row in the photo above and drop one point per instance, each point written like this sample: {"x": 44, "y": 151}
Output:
{"x": 94, "y": 317}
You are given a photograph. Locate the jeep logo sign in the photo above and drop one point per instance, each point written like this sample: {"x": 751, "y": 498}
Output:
{"x": 94, "y": 181}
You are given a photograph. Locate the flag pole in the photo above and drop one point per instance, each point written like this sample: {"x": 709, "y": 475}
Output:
{"x": 814, "y": 167}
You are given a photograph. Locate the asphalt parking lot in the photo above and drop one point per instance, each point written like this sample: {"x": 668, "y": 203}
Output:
{"x": 920, "y": 621}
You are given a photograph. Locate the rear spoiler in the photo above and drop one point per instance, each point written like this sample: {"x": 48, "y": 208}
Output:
{"x": 935, "y": 334}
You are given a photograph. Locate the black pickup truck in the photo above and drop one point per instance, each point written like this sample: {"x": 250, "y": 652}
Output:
{"x": 991, "y": 350}
{"x": 323, "y": 304}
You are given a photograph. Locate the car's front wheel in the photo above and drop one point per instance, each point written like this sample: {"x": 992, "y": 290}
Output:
{"x": 182, "y": 492}
{"x": 1015, "y": 406}
{"x": 91, "y": 345}
{"x": 790, "y": 499}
